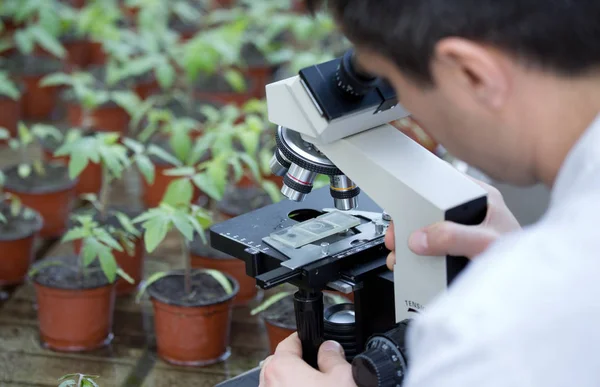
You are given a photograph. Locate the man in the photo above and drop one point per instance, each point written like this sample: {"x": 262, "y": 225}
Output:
{"x": 511, "y": 87}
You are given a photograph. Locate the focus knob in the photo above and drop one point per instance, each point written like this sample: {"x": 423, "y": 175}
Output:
{"x": 384, "y": 362}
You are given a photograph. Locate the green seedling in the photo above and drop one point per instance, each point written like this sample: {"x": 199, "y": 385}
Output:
{"x": 78, "y": 380}
{"x": 7, "y": 87}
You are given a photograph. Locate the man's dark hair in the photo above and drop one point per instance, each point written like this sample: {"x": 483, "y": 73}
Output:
{"x": 558, "y": 35}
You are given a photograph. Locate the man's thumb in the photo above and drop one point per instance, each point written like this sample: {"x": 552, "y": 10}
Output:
{"x": 331, "y": 355}
{"x": 448, "y": 238}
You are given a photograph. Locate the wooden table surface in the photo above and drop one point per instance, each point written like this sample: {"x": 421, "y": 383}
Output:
{"x": 130, "y": 360}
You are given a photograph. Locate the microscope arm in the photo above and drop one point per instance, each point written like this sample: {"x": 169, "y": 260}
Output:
{"x": 417, "y": 189}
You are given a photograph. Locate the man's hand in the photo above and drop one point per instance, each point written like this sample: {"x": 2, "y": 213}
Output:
{"x": 287, "y": 369}
{"x": 447, "y": 238}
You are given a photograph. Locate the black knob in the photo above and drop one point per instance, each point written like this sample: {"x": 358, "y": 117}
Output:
{"x": 384, "y": 362}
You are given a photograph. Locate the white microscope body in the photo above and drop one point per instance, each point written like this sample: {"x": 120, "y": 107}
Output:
{"x": 415, "y": 187}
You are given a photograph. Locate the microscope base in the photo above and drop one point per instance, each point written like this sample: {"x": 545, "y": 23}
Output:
{"x": 247, "y": 379}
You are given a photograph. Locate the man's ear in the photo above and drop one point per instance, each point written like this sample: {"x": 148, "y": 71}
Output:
{"x": 474, "y": 68}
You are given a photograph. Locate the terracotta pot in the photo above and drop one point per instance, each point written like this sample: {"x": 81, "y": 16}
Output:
{"x": 10, "y": 114}
{"x": 132, "y": 265}
{"x": 107, "y": 118}
{"x": 90, "y": 180}
{"x": 78, "y": 54}
{"x": 277, "y": 334}
{"x": 75, "y": 320}
{"x": 54, "y": 204}
{"x": 97, "y": 55}
{"x": 193, "y": 336}
{"x": 278, "y": 180}
{"x": 154, "y": 193}
{"x": 260, "y": 77}
{"x": 17, "y": 253}
{"x": 223, "y": 97}
{"x": 145, "y": 89}
{"x": 235, "y": 268}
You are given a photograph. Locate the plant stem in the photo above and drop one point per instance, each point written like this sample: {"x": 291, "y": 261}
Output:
{"x": 104, "y": 193}
{"x": 188, "y": 266}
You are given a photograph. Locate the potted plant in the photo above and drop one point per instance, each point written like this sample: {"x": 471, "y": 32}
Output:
{"x": 78, "y": 380}
{"x": 113, "y": 158}
{"x": 10, "y": 103}
{"x": 93, "y": 103}
{"x": 101, "y": 21}
{"x": 19, "y": 227}
{"x": 192, "y": 308}
{"x": 278, "y": 314}
{"x": 40, "y": 185}
{"x": 81, "y": 284}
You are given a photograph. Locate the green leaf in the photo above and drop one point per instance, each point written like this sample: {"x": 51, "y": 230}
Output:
{"x": 269, "y": 302}
{"x": 68, "y": 376}
{"x": 238, "y": 169}
{"x": 25, "y": 135}
{"x": 221, "y": 279}
{"x": 75, "y": 234}
{"x": 183, "y": 224}
{"x": 4, "y": 134}
{"x": 181, "y": 144}
{"x": 250, "y": 141}
{"x": 48, "y": 42}
{"x": 135, "y": 146}
{"x": 236, "y": 80}
{"x": 156, "y": 231}
{"x": 78, "y": 160}
{"x": 68, "y": 383}
{"x": 108, "y": 264}
{"x": 183, "y": 171}
{"x": 252, "y": 165}
{"x": 24, "y": 41}
{"x": 8, "y": 89}
{"x": 163, "y": 155}
{"x": 89, "y": 251}
{"x": 146, "y": 168}
{"x": 3, "y": 219}
{"x": 165, "y": 74}
{"x": 104, "y": 237}
{"x": 272, "y": 190}
{"x": 208, "y": 186}
{"x": 179, "y": 192}
{"x": 125, "y": 276}
{"x": 24, "y": 171}
{"x": 148, "y": 282}
{"x": 44, "y": 131}
{"x": 57, "y": 79}
{"x": 127, "y": 100}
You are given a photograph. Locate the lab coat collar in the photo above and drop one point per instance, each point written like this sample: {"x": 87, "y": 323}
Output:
{"x": 582, "y": 160}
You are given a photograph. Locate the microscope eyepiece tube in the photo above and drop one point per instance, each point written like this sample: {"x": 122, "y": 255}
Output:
{"x": 344, "y": 192}
{"x": 279, "y": 164}
{"x": 297, "y": 183}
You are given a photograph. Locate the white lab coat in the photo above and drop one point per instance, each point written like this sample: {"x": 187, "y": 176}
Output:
{"x": 525, "y": 313}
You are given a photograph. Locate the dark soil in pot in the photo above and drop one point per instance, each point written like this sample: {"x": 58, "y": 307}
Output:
{"x": 238, "y": 201}
{"x": 74, "y": 311}
{"x": 194, "y": 329}
{"x": 205, "y": 257}
{"x": 17, "y": 242}
{"x": 51, "y": 195}
{"x": 39, "y": 103}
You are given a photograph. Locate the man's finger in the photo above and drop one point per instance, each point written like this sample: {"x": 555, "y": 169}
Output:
{"x": 447, "y": 238}
{"x": 390, "y": 243}
{"x": 331, "y": 355}
{"x": 391, "y": 260}
{"x": 290, "y": 345}
{"x": 263, "y": 367}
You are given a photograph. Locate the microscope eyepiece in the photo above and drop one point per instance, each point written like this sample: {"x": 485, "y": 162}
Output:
{"x": 351, "y": 79}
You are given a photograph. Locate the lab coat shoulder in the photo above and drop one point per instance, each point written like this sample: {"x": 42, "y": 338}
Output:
{"x": 513, "y": 317}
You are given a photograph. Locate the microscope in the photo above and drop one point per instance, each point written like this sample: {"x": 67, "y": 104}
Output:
{"x": 333, "y": 119}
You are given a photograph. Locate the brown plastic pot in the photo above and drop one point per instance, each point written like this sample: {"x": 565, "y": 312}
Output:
{"x": 97, "y": 55}
{"x": 17, "y": 253}
{"x": 131, "y": 264}
{"x": 193, "y": 335}
{"x": 39, "y": 103}
{"x": 75, "y": 320}
{"x": 277, "y": 333}
{"x": 54, "y": 204}
{"x": 154, "y": 193}
{"x": 90, "y": 180}
{"x": 205, "y": 257}
{"x": 107, "y": 118}
{"x": 146, "y": 88}
{"x": 78, "y": 53}
{"x": 10, "y": 114}
{"x": 260, "y": 76}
